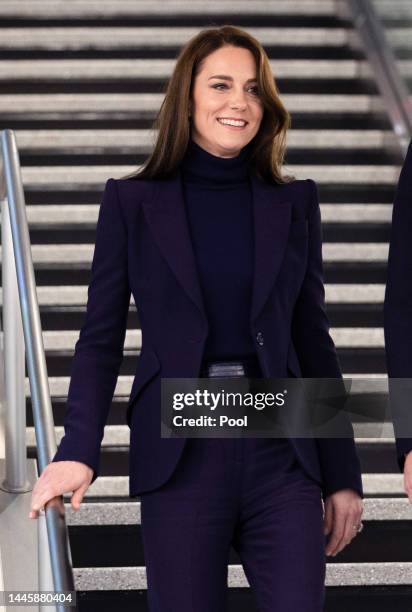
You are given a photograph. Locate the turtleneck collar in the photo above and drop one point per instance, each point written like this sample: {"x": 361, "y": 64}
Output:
{"x": 200, "y": 166}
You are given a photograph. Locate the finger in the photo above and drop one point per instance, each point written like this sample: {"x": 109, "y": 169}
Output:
{"x": 39, "y": 489}
{"x": 50, "y": 501}
{"x": 337, "y": 533}
{"x": 328, "y": 519}
{"x": 407, "y": 483}
{"x": 41, "y": 499}
{"x": 77, "y": 497}
{"x": 36, "y": 504}
{"x": 348, "y": 533}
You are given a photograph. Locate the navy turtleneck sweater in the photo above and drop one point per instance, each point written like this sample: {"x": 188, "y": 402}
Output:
{"x": 218, "y": 200}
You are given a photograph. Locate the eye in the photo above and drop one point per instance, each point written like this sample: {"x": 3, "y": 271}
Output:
{"x": 255, "y": 88}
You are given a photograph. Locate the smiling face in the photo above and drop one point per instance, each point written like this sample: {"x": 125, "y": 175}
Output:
{"x": 226, "y": 88}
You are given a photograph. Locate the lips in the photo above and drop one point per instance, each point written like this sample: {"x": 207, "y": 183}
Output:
{"x": 233, "y": 119}
{"x": 232, "y": 126}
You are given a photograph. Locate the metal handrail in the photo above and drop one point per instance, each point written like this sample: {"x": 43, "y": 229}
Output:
{"x": 11, "y": 188}
{"x": 382, "y": 59}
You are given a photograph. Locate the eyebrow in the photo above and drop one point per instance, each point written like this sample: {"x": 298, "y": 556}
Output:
{"x": 229, "y": 78}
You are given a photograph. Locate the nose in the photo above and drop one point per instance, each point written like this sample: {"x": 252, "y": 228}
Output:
{"x": 238, "y": 99}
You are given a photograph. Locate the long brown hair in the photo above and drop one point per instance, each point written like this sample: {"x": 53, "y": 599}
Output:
{"x": 172, "y": 121}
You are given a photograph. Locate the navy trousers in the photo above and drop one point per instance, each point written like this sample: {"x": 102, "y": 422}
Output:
{"x": 251, "y": 494}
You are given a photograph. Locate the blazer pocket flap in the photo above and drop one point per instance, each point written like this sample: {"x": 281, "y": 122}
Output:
{"x": 147, "y": 367}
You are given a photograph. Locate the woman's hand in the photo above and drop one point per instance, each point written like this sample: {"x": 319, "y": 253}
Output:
{"x": 407, "y": 476}
{"x": 343, "y": 513}
{"x": 57, "y": 478}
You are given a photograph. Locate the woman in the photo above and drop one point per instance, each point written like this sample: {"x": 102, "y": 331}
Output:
{"x": 223, "y": 256}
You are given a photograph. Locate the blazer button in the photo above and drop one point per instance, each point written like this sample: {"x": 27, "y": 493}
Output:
{"x": 259, "y": 338}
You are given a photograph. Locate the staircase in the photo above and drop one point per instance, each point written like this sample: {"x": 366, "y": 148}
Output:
{"x": 80, "y": 82}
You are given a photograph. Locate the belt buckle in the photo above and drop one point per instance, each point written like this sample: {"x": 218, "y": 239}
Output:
{"x": 226, "y": 369}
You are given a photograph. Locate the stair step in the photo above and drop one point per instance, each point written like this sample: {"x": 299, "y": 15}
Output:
{"x": 377, "y": 457}
{"x": 65, "y": 255}
{"x": 128, "y": 8}
{"x": 294, "y": 157}
{"x": 358, "y": 360}
{"x": 333, "y": 233}
{"x": 337, "y": 574}
{"x": 146, "y": 104}
{"x": 361, "y": 383}
{"x": 155, "y": 69}
{"x": 374, "y": 485}
{"x": 393, "y": 9}
{"x": 120, "y": 545}
{"x": 305, "y": 119}
{"x": 84, "y": 216}
{"x": 92, "y": 177}
{"x": 371, "y": 434}
{"x": 56, "y": 341}
{"x": 95, "y": 513}
{"x": 338, "y": 599}
{"x": 109, "y": 70}
{"x": 112, "y": 37}
{"x": 399, "y": 38}
{"x": 341, "y": 293}
{"x": 139, "y": 141}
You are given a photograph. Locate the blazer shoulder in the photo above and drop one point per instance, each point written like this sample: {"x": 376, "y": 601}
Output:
{"x": 133, "y": 187}
{"x": 304, "y": 195}
{"x": 131, "y": 192}
{"x": 299, "y": 186}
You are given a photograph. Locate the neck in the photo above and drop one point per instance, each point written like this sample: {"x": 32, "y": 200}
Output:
{"x": 199, "y": 165}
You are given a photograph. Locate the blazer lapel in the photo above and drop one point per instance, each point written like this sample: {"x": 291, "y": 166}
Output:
{"x": 166, "y": 215}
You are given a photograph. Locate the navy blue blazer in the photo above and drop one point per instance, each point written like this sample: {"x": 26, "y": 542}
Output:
{"x": 143, "y": 246}
{"x": 398, "y": 310}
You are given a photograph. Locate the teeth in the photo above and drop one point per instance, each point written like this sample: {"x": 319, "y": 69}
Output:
{"x": 229, "y": 122}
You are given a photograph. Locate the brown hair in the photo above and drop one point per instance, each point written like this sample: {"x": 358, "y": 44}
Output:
{"x": 172, "y": 121}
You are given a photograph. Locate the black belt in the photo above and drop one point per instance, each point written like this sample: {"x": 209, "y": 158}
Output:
{"x": 231, "y": 368}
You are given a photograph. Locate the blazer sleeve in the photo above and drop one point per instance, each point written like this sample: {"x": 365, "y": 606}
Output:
{"x": 398, "y": 311}
{"x": 317, "y": 356}
{"x": 99, "y": 350}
